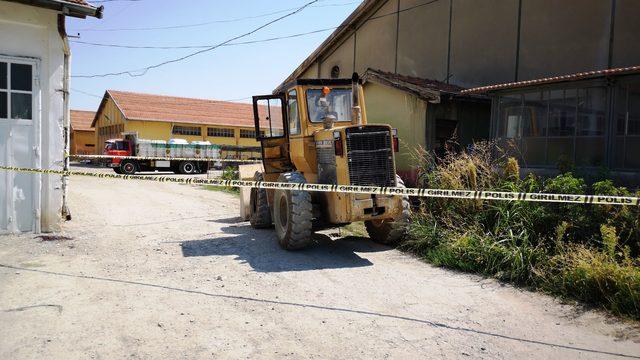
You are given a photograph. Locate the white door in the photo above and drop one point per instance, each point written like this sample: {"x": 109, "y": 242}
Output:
{"x": 19, "y": 144}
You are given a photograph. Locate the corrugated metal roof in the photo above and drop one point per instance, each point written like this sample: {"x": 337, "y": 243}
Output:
{"x": 555, "y": 79}
{"x": 150, "y": 107}
{"x": 81, "y": 120}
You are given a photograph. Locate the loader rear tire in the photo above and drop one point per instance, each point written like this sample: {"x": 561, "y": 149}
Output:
{"x": 391, "y": 231}
{"x": 293, "y": 214}
{"x": 259, "y": 211}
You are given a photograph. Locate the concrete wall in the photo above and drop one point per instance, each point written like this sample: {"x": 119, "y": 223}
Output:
{"x": 473, "y": 43}
{"x": 626, "y": 51}
{"x": 423, "y": 39}
{"x": 81, "y": 141}
{"x": 387, "y": 105}
{"x": 341, "y": 57}
{"x": 563, "y": 37}
{"x": 110, "y": 118}
{"x": 28, "y": 31}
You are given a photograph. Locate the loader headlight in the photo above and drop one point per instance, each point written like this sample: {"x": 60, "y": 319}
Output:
{"x": 337, "y": 143}
{"x": 396, "y": 141}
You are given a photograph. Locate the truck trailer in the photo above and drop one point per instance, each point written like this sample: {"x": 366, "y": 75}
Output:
{"x": 131, "y": 145}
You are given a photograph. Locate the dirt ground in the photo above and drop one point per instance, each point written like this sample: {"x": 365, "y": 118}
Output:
{"x": 159, "y": 270}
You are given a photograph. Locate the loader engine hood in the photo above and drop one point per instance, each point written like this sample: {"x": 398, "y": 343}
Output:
{"x": 356, "y": 155}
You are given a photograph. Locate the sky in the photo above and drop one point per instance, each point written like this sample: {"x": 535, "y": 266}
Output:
{"x": 226, "y": 73}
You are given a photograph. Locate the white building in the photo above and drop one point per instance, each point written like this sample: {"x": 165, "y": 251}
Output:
{"x": 34, "y": 112}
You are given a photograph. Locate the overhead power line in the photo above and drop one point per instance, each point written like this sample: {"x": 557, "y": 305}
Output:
{"x": 142, "y": 71}
{"x": 86, "y": 93}
{"x": 202, "y": 46}
{"x": 229, "y": 42}
{"x": 220, "y": 21}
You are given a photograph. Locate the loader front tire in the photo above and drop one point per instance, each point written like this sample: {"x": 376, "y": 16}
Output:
{"x": 391, "y": 231}
{"x": 259, "y": 211}
{"x": 293, "y": 214}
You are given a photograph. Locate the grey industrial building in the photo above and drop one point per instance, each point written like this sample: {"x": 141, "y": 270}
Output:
{"x": 592, "y": 121}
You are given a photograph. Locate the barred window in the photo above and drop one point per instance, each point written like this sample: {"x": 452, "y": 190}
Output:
{"x": 187, "y": 130}
{"x": 250, "y": 134}
{"x": 221, "y": 132}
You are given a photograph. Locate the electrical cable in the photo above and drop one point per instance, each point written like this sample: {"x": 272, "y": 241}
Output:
{"x": 143, "y": 71}
{"x": 202, "y": 46}
{"x": 222, "y": 21}
{"x": 227, "y": 42}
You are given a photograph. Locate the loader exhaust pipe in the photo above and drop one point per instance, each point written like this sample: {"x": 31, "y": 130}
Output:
{"x": 356, "y": 111}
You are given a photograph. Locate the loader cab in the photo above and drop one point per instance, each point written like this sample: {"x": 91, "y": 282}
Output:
{"x": 287, "y": 121}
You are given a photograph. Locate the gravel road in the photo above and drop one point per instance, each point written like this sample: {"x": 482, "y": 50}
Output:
{"x": 160, "y": 270}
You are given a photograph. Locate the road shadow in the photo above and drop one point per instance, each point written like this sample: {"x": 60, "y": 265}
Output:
{"x": 260, "y": 250}
{"x": 574, "y": 349}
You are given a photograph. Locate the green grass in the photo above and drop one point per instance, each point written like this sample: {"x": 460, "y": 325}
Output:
{"x": 589, "y": 253}
{"x": 229, "y": 190}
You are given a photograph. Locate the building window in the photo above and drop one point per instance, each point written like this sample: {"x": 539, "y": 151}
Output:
{"x": 16, "y": 91}
{"x": 292, "y": 109}
{"x": 249, "y": 134}
{"x": 556, "y": 126}
{"x": 221, "y": 132}
{"x": 335, "y": 72}
{"x": 186, "y": 130}
{"x": 627, "y": 115}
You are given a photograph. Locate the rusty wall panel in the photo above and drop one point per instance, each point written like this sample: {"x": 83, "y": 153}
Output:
{"x": 376, "y": 40}
{"x": 563, "y": 37}
{"x": 423, "y": 40}
{"x": 626, "y": 44}
{"x": 342, "y": 57}
{"x": 483, "y": 42}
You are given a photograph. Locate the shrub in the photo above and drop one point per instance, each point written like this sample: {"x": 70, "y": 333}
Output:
{"x": 587, "y": 252}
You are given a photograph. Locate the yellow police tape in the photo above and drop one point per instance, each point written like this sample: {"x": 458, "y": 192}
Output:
{"x": 353, "y": 189}
{"x": 161, "y": 158}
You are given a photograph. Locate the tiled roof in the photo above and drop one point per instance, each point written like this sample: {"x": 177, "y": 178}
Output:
{"x": 75, "y": 8}
{"x": 555, "y": 79}
{"x": 148, "y": 107}
{"x": 424, "y": 88}
{"x": 81, "y": 120}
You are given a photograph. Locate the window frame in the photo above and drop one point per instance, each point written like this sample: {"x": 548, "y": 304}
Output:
{"x": 545, "y": 91}
{"x": 173, "y": 130}
{"x": 34, "y": 92}
{"x": 306, "y": 101}
{"x": 223, "y": 132}
{"x": 625, "y": 136}
{"x": 251, "y": 132}
{"x": 297, "y": 104}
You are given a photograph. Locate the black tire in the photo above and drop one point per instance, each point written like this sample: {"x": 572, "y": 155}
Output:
{"x": 390, "y": 232}
{"x": 187, "y": 167}
{"x": 129, "y": 167}
{"x": 259, "y": 211}
{"x": 117, "y": 170}
{"x": 293, "y": 214}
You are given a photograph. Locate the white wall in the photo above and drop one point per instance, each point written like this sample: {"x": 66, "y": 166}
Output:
{"x": 28, "y": 31}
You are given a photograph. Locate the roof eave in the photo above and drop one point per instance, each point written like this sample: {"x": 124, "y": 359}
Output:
{"x": 630, "y": 70}
{"x": 66, "y": 8}
{"x": 336, "y": 35}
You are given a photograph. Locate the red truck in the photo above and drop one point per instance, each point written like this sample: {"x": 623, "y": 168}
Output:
{"x": 131, "y": 145}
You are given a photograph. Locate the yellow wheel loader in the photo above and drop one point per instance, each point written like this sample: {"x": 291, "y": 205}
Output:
{"x": 317, "y": 132}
